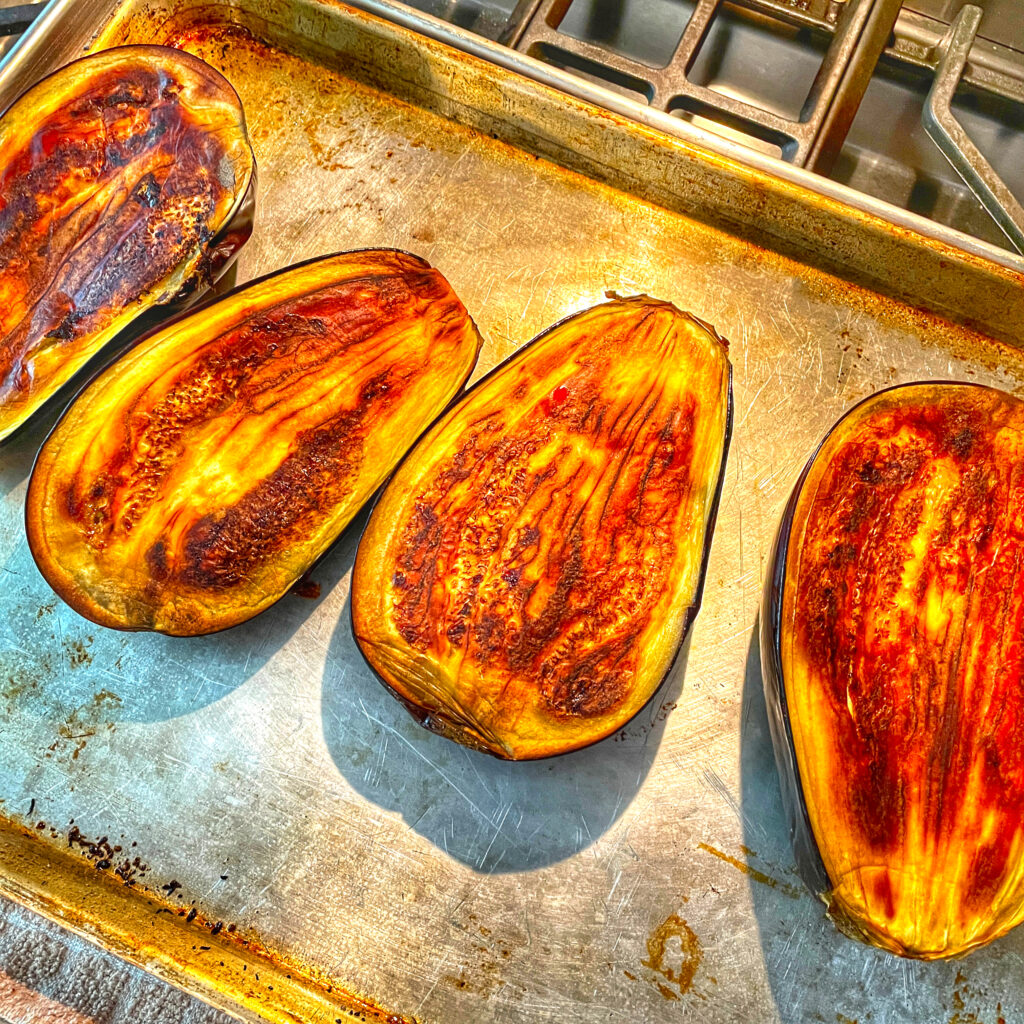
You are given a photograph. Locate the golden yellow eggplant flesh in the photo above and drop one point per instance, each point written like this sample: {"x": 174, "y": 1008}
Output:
{"x": 528, "y": 575}
{"x": 893, "y": 647}
{"x": 194, "y": 481}
{"x": 126, "y": 181}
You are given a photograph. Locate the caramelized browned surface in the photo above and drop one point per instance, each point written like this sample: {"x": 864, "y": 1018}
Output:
{"x": 115, "y": 173}
{"x": 903, "y": 662}
{"x": 526, "y": 577}
{"x": 199, "y": 477}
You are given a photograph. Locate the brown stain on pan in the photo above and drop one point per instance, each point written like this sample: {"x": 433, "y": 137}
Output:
{"x": 969, "y": 1004}
{"x": 678, "y": 967}
{"x": 792, "y": 891}
{"x": 81, "y": 724}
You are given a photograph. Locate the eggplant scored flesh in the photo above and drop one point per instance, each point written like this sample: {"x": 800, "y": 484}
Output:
{"x": 894, "y": 668}
{"x": 529, "y": 573}
{"x": 126, "y": 181}
{"x": 199, "y": 477}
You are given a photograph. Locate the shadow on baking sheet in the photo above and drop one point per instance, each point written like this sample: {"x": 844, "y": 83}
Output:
{"x": 494, "y": 816}
{"x": 816, "y": 973}
{"x": 57, "y": 666}
{"x": 18, "y": 452}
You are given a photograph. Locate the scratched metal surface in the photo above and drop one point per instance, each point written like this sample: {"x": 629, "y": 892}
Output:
{"x": 647, "y": 878}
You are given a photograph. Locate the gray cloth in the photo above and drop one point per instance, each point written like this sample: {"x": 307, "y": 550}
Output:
{"x": 49, "y": 976}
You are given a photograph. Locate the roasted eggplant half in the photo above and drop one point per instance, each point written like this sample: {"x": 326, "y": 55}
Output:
{"x": 202, "y": 474}
{"x": 528, "y": 575}
{"x": 126, "y": 182}
{"x": 894, "y": 668}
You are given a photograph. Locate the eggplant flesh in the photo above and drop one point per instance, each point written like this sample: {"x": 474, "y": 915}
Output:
{"x": 528, "y": 575}
{"x": 894, "y": 668}
{"x": 202, "y": 474}
{"x": 126, "y": 181}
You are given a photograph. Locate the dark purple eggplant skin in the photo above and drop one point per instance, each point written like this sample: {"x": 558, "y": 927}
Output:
{"x": 801, "y": 837}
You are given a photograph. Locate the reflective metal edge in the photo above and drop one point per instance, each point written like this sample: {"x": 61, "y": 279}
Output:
{"x": 33, "y": 44}
{"x": 236, "y": 975}
{"x": 949, "y": 135}
{"x": 538, "y": 71}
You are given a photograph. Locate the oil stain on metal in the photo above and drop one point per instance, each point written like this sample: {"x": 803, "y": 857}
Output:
{"x": 84, "y": 722}
{"x": 77, "y": 651}
{"x": 690, "y": 951}
{"x": 787, "y": 889}
{"x": 965, "y": 1004}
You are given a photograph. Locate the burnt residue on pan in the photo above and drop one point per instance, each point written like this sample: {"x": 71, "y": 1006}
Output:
{"x": 223, "y": 954}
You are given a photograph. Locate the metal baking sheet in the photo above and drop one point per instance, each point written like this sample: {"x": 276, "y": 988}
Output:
{"x": 340, "y": 861}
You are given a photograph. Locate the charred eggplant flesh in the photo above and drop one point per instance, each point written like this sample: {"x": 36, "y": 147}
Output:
{"x": 528, "y": 575}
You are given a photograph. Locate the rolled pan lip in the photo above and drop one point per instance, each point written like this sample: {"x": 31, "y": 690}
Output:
{"x": 805, "y": 847}
{"x": 195, "y": 311}
{"x": 693, "y": 608}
